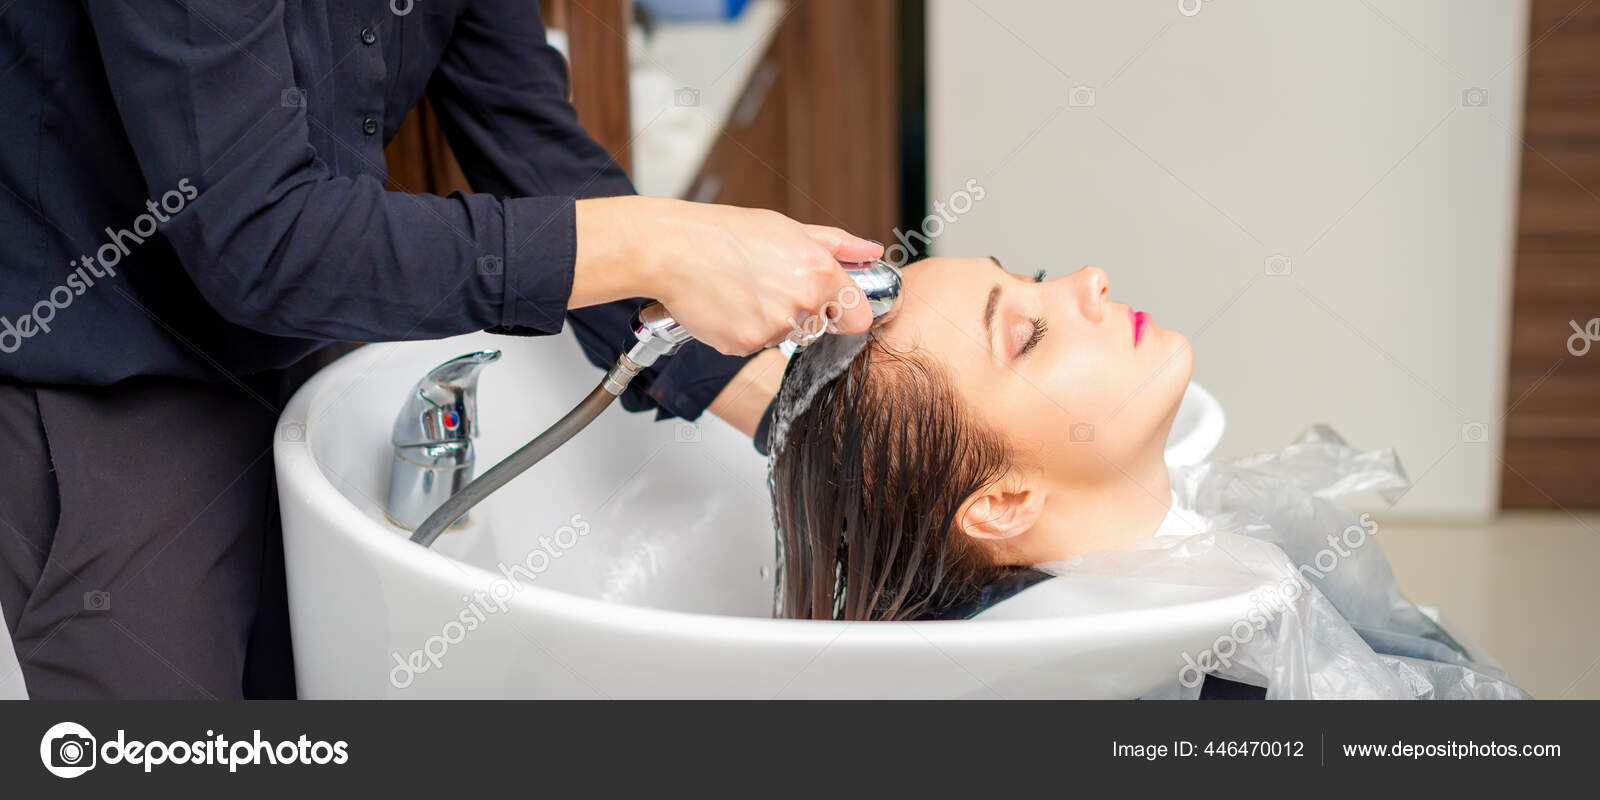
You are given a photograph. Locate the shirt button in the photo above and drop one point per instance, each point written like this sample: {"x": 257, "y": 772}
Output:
{"x": 368, "y": 38}
{"x": 369, "y": 126}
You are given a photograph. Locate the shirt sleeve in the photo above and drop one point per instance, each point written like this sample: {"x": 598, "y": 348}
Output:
{"x": 501, "y": 94}
{"x": 272, "y": 238}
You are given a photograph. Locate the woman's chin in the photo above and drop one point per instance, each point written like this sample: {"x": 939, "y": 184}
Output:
{"x": 1183, "y": 355}
{"x": 1174, "y": 365}
{"x": 1170, "y": 357}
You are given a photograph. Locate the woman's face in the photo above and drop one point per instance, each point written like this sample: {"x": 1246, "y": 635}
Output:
{"x": 1082, "y": 388}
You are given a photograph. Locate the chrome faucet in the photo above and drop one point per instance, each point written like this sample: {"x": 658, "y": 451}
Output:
{"x": 432, "y": 439}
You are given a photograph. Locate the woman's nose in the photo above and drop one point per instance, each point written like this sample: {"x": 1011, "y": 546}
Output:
{"x": 1093, "y": 287}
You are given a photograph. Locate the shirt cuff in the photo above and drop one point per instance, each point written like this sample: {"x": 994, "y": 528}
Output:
{"x": 763, "y": 437}
{"x": 541, "y": 247}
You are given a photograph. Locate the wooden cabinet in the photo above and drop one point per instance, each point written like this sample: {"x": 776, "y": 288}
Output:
{"x": 1552, "y": 427}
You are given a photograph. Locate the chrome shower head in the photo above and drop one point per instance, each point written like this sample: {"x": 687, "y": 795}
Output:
{"x": 661, "y": 335}
{"x": 879, "y": 282}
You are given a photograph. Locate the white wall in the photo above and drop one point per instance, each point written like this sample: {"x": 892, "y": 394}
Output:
{"x": 1334, "y": 133}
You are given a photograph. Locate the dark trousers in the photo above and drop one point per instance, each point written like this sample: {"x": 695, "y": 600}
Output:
{"x": 140, "y": 551}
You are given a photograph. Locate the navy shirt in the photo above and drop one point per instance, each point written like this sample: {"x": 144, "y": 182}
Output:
{"x": 195, "y": 188}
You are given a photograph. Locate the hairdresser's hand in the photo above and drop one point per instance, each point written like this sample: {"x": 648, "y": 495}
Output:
{"x": 739, "y": 279}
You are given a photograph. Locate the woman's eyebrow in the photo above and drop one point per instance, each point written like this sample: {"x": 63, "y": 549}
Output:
{"x": 988, "y": 316}
{"x": 997, "y": 262}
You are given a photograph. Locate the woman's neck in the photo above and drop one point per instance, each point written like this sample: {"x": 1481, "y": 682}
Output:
{"x": 1110, "y": 514}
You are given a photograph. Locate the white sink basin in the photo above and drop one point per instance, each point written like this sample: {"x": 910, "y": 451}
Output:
{"x": 636, "y": 562}
{"x": 1197, "y": 428}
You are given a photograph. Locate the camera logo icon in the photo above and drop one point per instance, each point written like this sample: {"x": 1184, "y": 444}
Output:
{"x": 687, "y": 432}
{"x": 1278, "y": 265}
{"x": 1475, "y": 97}
{"x": 96, "y": 600}
{"x": 491, "y": 265}
{"x": 1081, "y": 97}
{"x": 1475, "y": 432}
{"x": 1081, "y": 432}
{"x": 67, "y": 750}
{"x": 686, "y": 96}
{"x": 293, "y": 97}
{"x": 292, "y": 432}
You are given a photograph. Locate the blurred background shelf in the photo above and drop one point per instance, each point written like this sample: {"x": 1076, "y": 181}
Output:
{"x": 692, "y": 80}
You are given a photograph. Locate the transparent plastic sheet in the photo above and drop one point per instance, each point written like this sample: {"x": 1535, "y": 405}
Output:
{"x": 1328, "y": 620}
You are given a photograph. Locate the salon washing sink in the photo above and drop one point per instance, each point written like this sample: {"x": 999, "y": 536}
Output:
{"x": 637, "y": 562}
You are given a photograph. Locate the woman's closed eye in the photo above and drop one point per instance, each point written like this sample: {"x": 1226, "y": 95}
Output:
{"x": 1031, "y": 331}
{"x": 1035, "y": 333}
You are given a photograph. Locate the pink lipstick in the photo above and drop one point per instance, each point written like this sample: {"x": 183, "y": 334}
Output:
{"x": 1141, "y": 321}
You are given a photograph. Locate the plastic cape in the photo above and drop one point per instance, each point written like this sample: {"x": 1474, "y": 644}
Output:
{"x": 1327, "y": 619}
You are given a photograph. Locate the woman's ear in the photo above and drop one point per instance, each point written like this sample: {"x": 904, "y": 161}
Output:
{"x": 1000, "y": 512}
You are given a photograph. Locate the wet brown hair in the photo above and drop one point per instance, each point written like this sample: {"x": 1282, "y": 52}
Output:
{"x": 867, "y": 486}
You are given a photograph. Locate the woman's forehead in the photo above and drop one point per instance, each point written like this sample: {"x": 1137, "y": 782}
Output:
{"x": 943, "y": 304}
